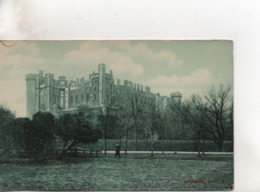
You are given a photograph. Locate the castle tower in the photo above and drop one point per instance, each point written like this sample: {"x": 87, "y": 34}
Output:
{"x": 49, "y": 91}
{"x": 30, "y": 94}
{"x": 39, "y": 77}
{"x": 176, "y": 98}
{"x": 102, "y": 72}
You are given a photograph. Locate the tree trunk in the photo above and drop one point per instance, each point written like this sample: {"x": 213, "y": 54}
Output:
{"x": 220, "y": 146}
{"x": 105, "y": 139}
{"x": 126, "y": 140}
{"x": 152, "y": 146}
{"x": 146, "y": 143}
{"x": 163, "y": 146}
{"x": 199, "y": 146}
{"x": 120, "y": 140}
{"x": 64, "y": 151}
{"x": 163, "y": 142}
{"x": 105, "y": 146}
{"x": 203, "y": 147}
{"x": 135, "y": 137}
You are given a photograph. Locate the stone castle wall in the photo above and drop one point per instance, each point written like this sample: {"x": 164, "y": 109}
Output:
{"x": 45, "y": 93}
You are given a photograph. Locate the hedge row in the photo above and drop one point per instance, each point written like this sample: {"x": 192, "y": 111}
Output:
{"x": 159, "y": 145}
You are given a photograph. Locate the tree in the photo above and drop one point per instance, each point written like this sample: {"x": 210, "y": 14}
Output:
{"x": 76, "y": 129}
{"x": 20, "y": 125}
{"x": 136, "y": 106}
{"x": 173, "y": 126}
{"x": 126, "y": 124}
{"x": 218, "y": 111}
{"x": 39, "y": 135}
{"x": 155, "y": 122}
{"x": 192, "y": 114}
{"x": 210, "y": 116}
{"x": 108, "y": 124}
{"x": 6, "y": 130}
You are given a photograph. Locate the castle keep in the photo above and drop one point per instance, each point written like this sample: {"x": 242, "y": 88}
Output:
{"x": 45, "y": 93}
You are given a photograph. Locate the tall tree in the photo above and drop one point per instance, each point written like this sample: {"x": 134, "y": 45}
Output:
{"x": 20, "y": 125}
{"x": 174, "y": 128}
{"x": 125, "y": 124}
{"x": 136, "y": 106}
{"x": 218, "y": 109}
{"x": 6, "y": 130}
{"x": 155, "y": 121}
{"x": 209, "y": 116}
{"x": 39, "y": 135}
{"x": 108, "y": 123}
{"x": 194, "y": 117}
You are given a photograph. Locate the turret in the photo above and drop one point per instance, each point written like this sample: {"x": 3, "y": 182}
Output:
{"x": 102, "y": 72}
{"x": 30, "y": 94}
{"x": 176, "y": 98}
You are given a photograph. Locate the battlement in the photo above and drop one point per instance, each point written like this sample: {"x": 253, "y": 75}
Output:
{"x": 176, "y": 94}
{"x": 49, "y": 75}
{"x": 30, "y": 77}
{"x": 62, "y": 78}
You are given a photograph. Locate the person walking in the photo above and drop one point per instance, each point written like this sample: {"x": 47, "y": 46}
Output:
{"x": 117, "y": 151}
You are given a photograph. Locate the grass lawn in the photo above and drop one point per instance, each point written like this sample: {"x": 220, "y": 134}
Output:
{"x": 108, "y": 173}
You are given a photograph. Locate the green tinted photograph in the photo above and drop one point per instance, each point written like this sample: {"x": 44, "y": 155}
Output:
{"x": 118, "y": 115}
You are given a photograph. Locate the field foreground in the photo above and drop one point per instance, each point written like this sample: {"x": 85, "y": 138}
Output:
{"x": 118, "y": 174}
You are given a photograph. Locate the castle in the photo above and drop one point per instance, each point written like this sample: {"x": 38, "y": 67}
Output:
{"x": 59, "y": 96}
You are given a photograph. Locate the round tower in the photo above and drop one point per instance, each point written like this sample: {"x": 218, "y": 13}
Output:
{"x": 31, "y": 94}
{"x": 176, "y": 97}
{"x": 102, "y": 72}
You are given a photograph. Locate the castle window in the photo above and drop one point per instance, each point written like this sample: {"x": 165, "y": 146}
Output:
{"x": 77, "y": 99}
{"x": 82, "y": 98}
{"x": 95, "y": 88}
{"x": 71, "y": 99}
{"x": 87, "y": 98}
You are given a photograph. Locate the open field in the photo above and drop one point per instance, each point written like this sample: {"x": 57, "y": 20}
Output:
{"x": 127, "y": 173}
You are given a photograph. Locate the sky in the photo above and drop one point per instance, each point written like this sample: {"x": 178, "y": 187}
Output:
{"x": 190, "y": 67}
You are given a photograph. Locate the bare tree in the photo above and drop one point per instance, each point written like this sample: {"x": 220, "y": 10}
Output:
{"x": 209, "y": 115}
{"x": 126, "y": 123}
{"x": 194, "y": 117}
{"x": 217, "y": 111}
{"x": 174, "y": 127}
{"x": 155, "y": 121}
{"x": 108, "y": 121}
{"x": 136, "y": 106}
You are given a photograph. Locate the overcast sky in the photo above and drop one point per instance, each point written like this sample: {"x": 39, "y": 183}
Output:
{"x": 189, "y": 67}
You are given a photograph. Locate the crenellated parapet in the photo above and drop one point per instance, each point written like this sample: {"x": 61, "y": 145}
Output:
{"x": 176, "y": 94}
{"x": 30, "y": 77}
